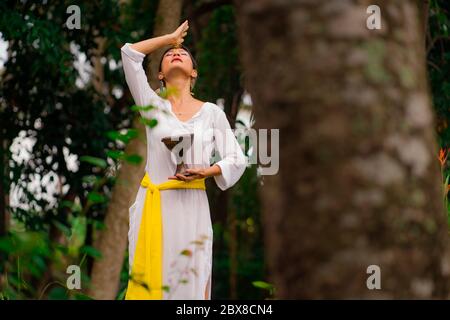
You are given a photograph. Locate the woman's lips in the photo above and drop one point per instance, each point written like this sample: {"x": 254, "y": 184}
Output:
{"x": 176, "y": 59}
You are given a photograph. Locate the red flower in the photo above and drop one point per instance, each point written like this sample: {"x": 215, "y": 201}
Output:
{"x": 443, "y": 154}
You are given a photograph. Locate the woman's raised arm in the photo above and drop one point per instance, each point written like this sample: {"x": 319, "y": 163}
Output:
{"x": 132, "y": 58}
{"x": 175, "y": 39}
{"x": 136, "y": 78}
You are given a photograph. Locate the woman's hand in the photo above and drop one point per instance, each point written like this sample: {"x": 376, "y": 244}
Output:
{"x": 194, "y": 174}
{"x": 198, "y": 173}
{"x": 178, "y": 35}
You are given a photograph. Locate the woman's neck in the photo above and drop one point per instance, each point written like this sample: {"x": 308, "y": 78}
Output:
{"x": 182, "y": 90}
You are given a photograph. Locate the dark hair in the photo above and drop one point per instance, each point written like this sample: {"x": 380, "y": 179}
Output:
{"x": 194, "y": 62}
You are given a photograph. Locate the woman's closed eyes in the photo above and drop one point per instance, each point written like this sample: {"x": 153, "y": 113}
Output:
{"x": 170, "y": 53}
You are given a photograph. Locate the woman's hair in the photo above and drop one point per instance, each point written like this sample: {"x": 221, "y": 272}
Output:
{"x": 194, "y": 62}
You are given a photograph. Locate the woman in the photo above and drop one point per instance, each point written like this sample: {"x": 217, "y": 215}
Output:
{"x": 170, "y": 235}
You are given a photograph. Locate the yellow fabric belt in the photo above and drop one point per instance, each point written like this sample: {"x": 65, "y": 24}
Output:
{"x": 145, "y": 282}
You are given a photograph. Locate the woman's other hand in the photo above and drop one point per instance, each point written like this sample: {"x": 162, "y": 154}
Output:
{"x": 178, "y": 35}
{"x": 194, "y": 174}
{"x": 198, "y": 173}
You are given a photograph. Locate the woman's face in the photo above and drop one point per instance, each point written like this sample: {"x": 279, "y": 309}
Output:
{"x": 177, "y": 59}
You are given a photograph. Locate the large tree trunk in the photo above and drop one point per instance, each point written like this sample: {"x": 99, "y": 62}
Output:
{"x": 358, "y": 183}
{"x": 113, "y": 240}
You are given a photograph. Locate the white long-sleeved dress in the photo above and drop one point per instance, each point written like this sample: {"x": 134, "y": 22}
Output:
{"x": 185, "y": 212}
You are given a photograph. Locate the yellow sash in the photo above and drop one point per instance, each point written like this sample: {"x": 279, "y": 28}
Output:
{"x": 146, "y": 276}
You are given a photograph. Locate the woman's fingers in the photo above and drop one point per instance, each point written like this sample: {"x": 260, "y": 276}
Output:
{"x": 197, "y": 172}
{"x": 184, "y": 26}
{"x": 190, "y": 178}
{"x": 181, "y": 32}
{"x": 180, "y": 176}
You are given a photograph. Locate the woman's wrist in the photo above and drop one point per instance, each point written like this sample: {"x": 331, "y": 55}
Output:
{"x": 214, "y": 170}
{"x": 170, "y": 39}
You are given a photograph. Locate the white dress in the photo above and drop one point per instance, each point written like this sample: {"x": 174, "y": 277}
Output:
{"x": 185, "y": 212}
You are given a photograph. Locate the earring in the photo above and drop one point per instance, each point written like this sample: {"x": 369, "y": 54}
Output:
{"x": 161, "y": 88}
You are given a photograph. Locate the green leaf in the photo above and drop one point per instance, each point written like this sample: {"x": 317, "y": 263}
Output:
{"x": 113, "y": 135}
{"x": 91, "y": 179}
{"x": 66, "y": 204}
{"x": 186, "y": 252}
{"x": 124, "y": 137}
{"x": 166, "y": 288}
{"x": 94, "y": 161}
{"x": 78, "y": 234}
{"x": 91, "y": 251}
{"x": 96, "y": 197}
{"x": 82, "y": 296}
{"x": 149, "y": 122}
{"x": 133, "y": 159}
{"x": 64, "y": 229}
{"x": 167, "y": 92}
{"x": 75, "y": 207}
{"x": 6, "y": 245}
{"x": 142, "y": 108}
{"x": 115, "y": 154}
{"x": 98, "y": 225}
{"x": 263, "y": 285}
{"x": 57, "y": 293}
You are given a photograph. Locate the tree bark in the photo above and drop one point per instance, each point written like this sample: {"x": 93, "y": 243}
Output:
{"x": 359, "y": 183}
{"x": 167, "y": 20}
{"x": 113, "y": 240}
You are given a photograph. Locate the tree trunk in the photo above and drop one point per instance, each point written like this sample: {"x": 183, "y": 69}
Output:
{"x": 167, "y": 20}
{"x": 112, "y": 241}
{"x": 359, "y": 183}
